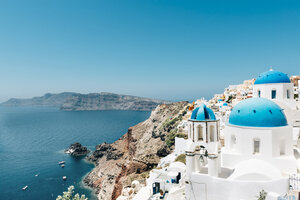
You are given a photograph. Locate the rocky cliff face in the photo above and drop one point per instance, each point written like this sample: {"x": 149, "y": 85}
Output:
{"x": 133, "y": 155}
{"x": 109, "y": 101}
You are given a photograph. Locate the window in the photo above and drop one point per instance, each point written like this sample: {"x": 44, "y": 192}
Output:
{"x": 256, "y": 146}
{"x": 233, "y": 141}
{"x": 193, "y": 133}
{"x": 212, "y": 133}
{"x": 273, "y": 94}
{"x": 190, "y": 132}
{"x": 288, "y": 94}
{"x": 259, "y": 93}
{"x": 200, "y": 133}
{"x": 282, "y": 147}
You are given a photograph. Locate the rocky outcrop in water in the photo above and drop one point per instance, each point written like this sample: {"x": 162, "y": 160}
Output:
{"x": 77, "y": 149}
{"x": 135, "y": 153}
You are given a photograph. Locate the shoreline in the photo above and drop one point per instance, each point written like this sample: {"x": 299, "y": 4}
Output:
{"x": 91, "y": 190}
{"x": 40, "y": 146}
{"x": 134, "y": 154}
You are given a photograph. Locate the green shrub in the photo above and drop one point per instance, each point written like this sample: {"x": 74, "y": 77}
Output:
{"x": 170, "y": 123}
{"x": 170, "y": 126}
{"x": 145, "y": 174}
{"x": 262, "y": 195}
{"x": 182, "y": 135}
{"x": 68, "y": 195}
{"x": 165, "y": 125}
{"x": 181, "y": 158}
{"x": 170, "y": 141}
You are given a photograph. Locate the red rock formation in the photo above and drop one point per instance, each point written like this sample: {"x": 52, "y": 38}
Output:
{"x": 133, "y": 155}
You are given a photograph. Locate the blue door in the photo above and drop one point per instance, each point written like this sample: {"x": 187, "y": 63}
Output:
{"x": 156, "y": 188}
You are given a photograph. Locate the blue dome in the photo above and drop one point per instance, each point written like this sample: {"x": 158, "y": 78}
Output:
{"x": 203, "y": 113}
{"x": 272, "y": 76}
{"x": 257, "y": 112}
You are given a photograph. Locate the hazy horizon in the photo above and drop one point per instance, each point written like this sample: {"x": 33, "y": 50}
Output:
{"x": 29, "y": 97}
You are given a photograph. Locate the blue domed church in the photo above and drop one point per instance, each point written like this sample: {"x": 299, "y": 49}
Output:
{"x": 258, "y": 129}
{"x": 274, "y": 85}
{"x": 277, "y": 87}
{"x": 257, "y": 154}
{"x": 203, "y": 139}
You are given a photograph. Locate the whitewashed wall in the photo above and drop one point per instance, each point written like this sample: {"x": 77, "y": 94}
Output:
{"x": 204, "y": 187}
{"x": 180, "y": 146}
{"x": 270, "y": 139}
{"x": 281, "y": 90}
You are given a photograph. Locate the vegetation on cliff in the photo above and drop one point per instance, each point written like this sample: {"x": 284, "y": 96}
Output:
{"x": 181, "y": 158}
{"x": 69, "y": 195}
{"x": 170, "y": 127}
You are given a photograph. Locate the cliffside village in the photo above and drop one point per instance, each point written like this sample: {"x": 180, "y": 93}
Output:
{"x": 241, "y": 144}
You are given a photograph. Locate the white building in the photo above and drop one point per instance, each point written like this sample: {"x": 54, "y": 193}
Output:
{"x": 202, "y": 149}
{"x": 298, "y": 88}
{"x": 258, "y": 129}
{"x": 276, "y": 86}
{"x": 258, "y": 153}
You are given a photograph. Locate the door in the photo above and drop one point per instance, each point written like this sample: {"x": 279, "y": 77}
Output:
{"x": 178, "y": 177}
{"x": 156, "y": 188}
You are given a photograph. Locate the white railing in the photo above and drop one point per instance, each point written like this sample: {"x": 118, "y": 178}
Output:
{"x": 294, "y": 182}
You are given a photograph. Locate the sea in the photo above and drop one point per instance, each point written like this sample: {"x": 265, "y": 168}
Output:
{"x": 32, "y": 142}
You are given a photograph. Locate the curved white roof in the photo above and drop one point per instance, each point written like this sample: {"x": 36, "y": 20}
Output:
{"x": 172, "y": 174}
{"x": 255, "y": 170}
{"x": 177, "y": 165}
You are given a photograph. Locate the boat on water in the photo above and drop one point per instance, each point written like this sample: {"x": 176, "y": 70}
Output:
{"x": 61, "y": 162}
{"x": 25, "y": 188}
{"x": 64, "y": 178}
{"x": 62, "y": 166}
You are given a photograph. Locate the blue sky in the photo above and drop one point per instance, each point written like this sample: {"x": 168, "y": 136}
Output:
{"x": 176, "y": 50}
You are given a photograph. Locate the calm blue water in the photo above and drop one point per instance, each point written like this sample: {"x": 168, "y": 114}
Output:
{"x": 32, "y": 141}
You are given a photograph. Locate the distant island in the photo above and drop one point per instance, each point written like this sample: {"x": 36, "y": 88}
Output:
{"x": 71, "y": 101}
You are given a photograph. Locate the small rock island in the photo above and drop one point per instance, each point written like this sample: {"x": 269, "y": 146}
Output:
{"x": 77, "y": 149}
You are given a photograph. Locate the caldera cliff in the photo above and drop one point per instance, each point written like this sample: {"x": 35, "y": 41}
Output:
{"x": 135, "y": 153}
{"x": 109, "y": 101}
{"x": 70, "y": 101}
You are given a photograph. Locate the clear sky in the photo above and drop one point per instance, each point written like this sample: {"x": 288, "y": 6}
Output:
{"x": 167, "y": 49}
